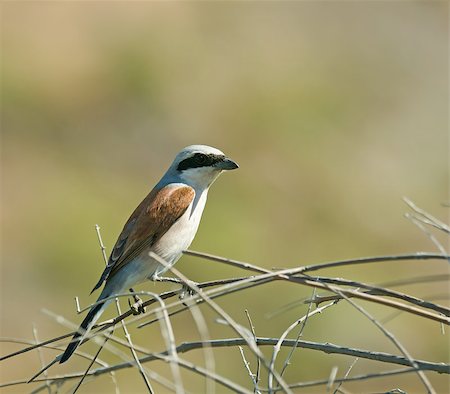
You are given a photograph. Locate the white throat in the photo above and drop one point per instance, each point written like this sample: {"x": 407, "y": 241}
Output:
{"x": 200, "y": 178}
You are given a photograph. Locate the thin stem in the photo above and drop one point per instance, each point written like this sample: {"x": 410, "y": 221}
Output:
{"x": 41, "y": 359}
{"x": 258, "y": 361}
{"x": 300, "y": 333}
{"x": 346, "y": 375}
{"x": 133, "y": 351}
{"x": 283, "y": 336}
{"x": 393, "y": 339}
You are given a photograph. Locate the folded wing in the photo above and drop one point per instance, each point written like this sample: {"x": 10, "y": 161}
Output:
{"x": 147, "y": 224}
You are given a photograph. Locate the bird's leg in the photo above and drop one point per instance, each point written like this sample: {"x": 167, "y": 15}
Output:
{"x": 137, "y": 308}
{"x": 186, "y": 291}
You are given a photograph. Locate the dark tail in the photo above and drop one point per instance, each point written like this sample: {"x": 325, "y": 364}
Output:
{"x": 85, "y": 326}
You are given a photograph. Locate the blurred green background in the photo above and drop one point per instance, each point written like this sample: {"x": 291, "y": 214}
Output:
{"x": 334, "y": 111}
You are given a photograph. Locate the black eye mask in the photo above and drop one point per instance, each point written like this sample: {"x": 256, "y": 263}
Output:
{"x": 199, "y": 160}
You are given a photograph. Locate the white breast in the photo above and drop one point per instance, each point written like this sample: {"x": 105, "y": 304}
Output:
{"x": 180, "y": 236}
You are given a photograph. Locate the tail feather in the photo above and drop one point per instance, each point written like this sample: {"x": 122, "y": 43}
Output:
{"x": 85, "y": 326}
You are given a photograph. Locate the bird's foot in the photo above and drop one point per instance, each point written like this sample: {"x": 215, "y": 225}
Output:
{"x": 137, "y": 308}
{"x": 186, "y": 293}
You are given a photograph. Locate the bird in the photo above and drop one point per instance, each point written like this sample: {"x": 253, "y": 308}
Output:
{"x": 164, "y": 223}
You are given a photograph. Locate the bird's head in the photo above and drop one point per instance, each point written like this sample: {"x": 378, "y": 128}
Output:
{"x": 200, "y": 165}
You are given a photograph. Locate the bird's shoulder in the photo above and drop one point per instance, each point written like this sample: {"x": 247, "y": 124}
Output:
{"x": 161, "y": 208}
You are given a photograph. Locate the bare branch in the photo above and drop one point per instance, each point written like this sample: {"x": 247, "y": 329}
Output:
{"x": 393, "y": 339}
{"x": 416, "y": 221}
{"x": 41, "y": 359}
{"x": 208, "y": 354}
{"x": 346, "y": 374}
{"x": 102, "y": 246}
{"x": 224, "y": 315}
{"x": 283, "y": 336}
{"x": 89, "y": 366}
{"x": 258, "y": 361}
{"x": 249, "y": 371}
{"x": 331, "y": 378}
{"x": 315, "y": 267}
{"x": 300, "y": 333}
{"x": 323, "y": 347}
{"x": 362, "y": 377}
{"x": 375, "y": 290}
{"x": 426, "y": 218}
{"x": 133, "y": 351}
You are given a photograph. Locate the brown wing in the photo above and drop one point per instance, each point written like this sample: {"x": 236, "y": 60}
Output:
{"x": 149, "y": 222}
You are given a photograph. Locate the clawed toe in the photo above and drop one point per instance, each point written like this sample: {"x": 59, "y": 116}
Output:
{"x": 138, "y": 307}
{"x": 186, "y": 292}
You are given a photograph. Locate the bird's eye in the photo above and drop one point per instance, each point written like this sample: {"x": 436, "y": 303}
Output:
{"x": 200, "y": 158}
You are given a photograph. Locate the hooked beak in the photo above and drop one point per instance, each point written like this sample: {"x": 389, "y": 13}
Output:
{"x": 226, "y": 164}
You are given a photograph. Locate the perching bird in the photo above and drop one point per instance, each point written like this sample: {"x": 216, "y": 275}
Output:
{"x": 165, "y": 223}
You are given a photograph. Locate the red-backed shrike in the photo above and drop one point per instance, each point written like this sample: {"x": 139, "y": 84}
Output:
{"x": 165, "y": 223}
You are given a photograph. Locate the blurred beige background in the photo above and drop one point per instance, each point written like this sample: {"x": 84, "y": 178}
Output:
{"x": 334, "y": 111}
